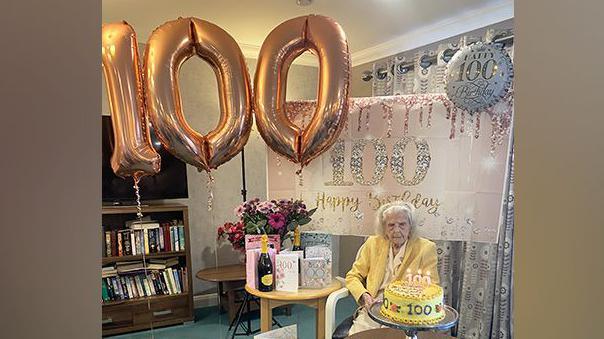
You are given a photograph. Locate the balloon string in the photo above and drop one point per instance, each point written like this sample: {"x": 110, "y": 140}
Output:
{"x": 139, "y": 216}
{"x": 300, "y": 177}
{"x": 210, "y": 185}
{"x": 139, "y": 209}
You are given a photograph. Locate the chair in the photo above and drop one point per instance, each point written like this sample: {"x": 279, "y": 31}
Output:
{"x": 330, "y": 314}
{"x": 341, "y": 331}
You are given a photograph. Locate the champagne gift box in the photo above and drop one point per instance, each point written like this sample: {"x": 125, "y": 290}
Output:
{"x": 286, "y": 272}
{"x": 316, "y": 273}
{"x": 251, "y": 263}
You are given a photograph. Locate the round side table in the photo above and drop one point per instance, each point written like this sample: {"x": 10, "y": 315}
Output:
{"x": 311, "y": 297}
{"x": 225, "y": 275}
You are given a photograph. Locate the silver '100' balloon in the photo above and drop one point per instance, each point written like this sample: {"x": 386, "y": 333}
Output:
{"x": 478, "y": 76}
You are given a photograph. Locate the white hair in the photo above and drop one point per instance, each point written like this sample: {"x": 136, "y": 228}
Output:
{"x": 392, "y": 207}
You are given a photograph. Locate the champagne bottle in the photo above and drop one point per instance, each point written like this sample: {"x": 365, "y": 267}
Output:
{"x": 265, "y": 268}
{"x": 297, "y": 246}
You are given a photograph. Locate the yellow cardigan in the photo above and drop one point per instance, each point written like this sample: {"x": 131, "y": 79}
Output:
{"x": 368, "y": 270}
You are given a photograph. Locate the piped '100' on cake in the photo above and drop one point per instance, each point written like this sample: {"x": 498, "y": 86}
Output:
{"x": 412, "y": 303}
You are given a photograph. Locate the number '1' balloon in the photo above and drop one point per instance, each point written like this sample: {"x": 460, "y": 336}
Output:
{"x": 324, "y": 37}
{"x": 169, "y": 46}
{"x": 133, "y": 154}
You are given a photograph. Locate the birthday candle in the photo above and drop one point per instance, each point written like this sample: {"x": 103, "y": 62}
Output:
{"x": 426, "y": 279}
{"x": 418, "y": 277}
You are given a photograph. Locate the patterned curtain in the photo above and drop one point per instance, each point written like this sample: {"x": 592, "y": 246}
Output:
{"x": 477, "y": 277}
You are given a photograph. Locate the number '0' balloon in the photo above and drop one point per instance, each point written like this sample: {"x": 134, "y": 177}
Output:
{"x": 169, "y": 46}
{"x": 133, "y": 154}
{"x": 325, "y": 37}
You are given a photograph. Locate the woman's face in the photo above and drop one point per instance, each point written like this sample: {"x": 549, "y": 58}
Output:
{"x": 397, "y": 227}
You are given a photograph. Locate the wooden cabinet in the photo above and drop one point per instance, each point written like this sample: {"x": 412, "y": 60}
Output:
{"x": 123, "y": 316}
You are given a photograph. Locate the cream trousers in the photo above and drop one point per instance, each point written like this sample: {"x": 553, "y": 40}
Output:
{"x": 363, "y": 322}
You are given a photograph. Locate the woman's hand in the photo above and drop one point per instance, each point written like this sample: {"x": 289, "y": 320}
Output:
{"x": 367, "y": 300}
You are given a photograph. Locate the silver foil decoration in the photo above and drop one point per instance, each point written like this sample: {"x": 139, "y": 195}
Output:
{"x": 478, "y": 76}
{"x": 358, "y": 215}
{"x": 337, "y": 165}
{"x": 381, "y": 161}
{"x": 398, "y": 160}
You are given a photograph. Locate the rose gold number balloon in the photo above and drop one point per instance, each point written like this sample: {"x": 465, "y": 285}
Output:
{"x": 287, "y": 41}
{"x": 169, "y": 46}
{"x": 133, "y": 154}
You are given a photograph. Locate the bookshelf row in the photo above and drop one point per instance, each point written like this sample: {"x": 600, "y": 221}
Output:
{"x": 163, "y": 237}
{"x": 138, "y": 285}
{"x": 153, "y": 238}
{"x": 108, "y": 260}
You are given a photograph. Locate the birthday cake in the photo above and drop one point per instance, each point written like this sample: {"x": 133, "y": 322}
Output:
{"x": 412, "y": 303}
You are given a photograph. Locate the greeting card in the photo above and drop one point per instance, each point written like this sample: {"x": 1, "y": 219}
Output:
{"x": 319, "y": 252}
{"x": 316, "y": 273}
{"x": 286, "y": 272}
{"x": 287, "y": 332}
{"x": 308, "y": 239}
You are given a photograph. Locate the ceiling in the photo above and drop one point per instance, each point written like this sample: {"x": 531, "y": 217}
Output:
{"x": 374, "y": 28}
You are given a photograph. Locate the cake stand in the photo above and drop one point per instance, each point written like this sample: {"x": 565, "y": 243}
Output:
{"x": 450, "y": 319}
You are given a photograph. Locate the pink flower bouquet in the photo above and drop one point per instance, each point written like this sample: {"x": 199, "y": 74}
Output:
{"x": 265, "y": 217}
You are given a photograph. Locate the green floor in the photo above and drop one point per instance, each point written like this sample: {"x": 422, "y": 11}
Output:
{"x": 209, "y": 324}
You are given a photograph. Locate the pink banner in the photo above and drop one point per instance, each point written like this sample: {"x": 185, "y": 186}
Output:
{"x": 418, "y": 148}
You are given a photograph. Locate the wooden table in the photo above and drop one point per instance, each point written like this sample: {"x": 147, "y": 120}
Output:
{"x": 389, "y": 333}
{"x": 311, "y": 297}
{"x": 229, "y": 274}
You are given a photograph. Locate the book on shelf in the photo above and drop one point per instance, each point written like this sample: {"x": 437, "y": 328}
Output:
{"x": 108, "y": 271}
{"x": 160, "y": 235}
{"x": 167, "y": 239}
{"x": 160, "y": 264}
{"x": 141, "y": 225}
{"x": 174, "y": 237}
{"x": 129, "y": 266}
{"x": 171, "y": 281}
{"x": 159, "y": 239}
{"x": 107, "y": 244}
{"x": 104, "y": 290}
{"x": 126, "y": 246}
{"x": 120, "y": 251}
{"x": 181, "y": 237}
{"x": 133, "y": 243}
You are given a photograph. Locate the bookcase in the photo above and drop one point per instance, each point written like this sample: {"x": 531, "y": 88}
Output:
{"x": 169, "y": 306}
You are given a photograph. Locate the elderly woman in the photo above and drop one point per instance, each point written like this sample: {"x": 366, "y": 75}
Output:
{"x": 386, "y": 257}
